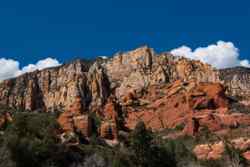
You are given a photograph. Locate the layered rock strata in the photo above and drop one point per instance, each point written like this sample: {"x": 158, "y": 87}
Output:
{"x": 163, "y": 90}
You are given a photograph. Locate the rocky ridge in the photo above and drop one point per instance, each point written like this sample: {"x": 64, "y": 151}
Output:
{"x": 163, "y": 90}
{"x": 53, "y": 88}
{"x": 236, "y": 80}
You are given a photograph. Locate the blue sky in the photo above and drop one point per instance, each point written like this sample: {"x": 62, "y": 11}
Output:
{"x": 32, "y": 30}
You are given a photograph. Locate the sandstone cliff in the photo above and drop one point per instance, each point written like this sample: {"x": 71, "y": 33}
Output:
{"x": 140, "y": 81}
{"x": 237, "y": 81}
{"x": 53, "y": 88}
{"x": 57, "y": 88}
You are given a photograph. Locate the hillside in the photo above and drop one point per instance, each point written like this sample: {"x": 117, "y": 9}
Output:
{"x": 174, "y": 96}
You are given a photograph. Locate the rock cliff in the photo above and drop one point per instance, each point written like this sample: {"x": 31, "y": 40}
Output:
{"x": 53, "y": 88}
{"x": 57, "y": 88}
{"x": 236, "y": 80}
{"x": 142, "y": 82}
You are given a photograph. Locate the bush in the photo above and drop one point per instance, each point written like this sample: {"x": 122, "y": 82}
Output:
{"x": 180, "y": 127}
{"x": 140, "y": 144}
{"x": 96, "y": 123}
{"x": 147, "y": 152}
{"x": 31, "y": 139}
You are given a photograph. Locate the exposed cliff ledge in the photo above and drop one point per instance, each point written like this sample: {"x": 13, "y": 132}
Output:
{"x": 125, "y": 73}
{"x": 237, "y": 81}
{"x": 54, "y": 88}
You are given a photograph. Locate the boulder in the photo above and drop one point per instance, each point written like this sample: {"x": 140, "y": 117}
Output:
{"x": 213, "y": 151}
{"x": 209, "y": 151}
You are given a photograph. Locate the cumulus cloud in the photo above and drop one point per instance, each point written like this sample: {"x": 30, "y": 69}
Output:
{"x": 219, "y": 55}
{"x": 10, "y": 68}
{"x": 42, "y": 64}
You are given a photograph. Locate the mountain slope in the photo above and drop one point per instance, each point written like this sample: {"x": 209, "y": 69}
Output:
{"x": 133, "y": 86}
{"x": 132, "y": 71}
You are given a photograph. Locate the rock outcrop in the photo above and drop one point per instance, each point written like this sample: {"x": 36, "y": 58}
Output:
{"x": 213, "y": 151}
{"x": 236, "y": 80}
{"x": 163, "y": 90}
{"x": 136, "y": 70}
{"x": 133, "y": 71}
{"x": 109, "y": 124}
{"x": 209, "y": 151}
{"x": 192, "y": 104}
{"x": 5, "y": 118}
{"x": 75, "y": 119}
{"x": 56, "y": 88}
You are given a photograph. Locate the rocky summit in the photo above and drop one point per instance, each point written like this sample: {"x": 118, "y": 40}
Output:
{"x": 128, "y": 77}
{"x": 95, "y": 81}
{"x": 162, "y": 90}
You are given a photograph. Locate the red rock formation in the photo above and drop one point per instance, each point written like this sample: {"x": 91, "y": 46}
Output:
{"x": 131, "y": 71}
{"x": 76, "y": 119}
{"x": 192, "y": 104}
{"x": 246, "y": 155}
{"x": 5, "y": 118}
{"x": 162, "y": 90}
{"x": 110, "y": 110}
{"x": 108, "y": 127}
{"x": 216, "y": 150}
{"x": 209, "y": 151}
{"x": 208, "y": 96}
{"x": 108, "y": 130}
{"x": 56, "y": 88}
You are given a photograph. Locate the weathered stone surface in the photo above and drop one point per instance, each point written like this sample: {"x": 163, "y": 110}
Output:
{"x": 237, "y": 81}
{"x": 246, "y": 155}
{"x": 162, "y": 90}
{"x": 109, "y": 127}
{"x": 133, "y": 71}
{"x": 136, "y": 70}
{"x": 56, "y": 88}
{"x": 75, "y": 119}
{"x": 215, "y": 150}
{"x": 108, "y": 130}
{"x": 4, "y": 119}
{"x": 191, "y": 103}
{"x": 209, "y": 151}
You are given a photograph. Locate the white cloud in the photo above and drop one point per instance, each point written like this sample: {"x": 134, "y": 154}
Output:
{"x": 219, "y": 55}
{"x": 42, "y": 64}
{"x": 244, "y": 63}
{"x": 103, "y": 57}
{"x": 10, "y": 68}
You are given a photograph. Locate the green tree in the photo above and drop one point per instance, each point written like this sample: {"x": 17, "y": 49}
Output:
{"x": 121, "y": 160}
{"x": 140, "y": 143}
{"x": 150, "y": 151}
{"x": 31, "y": 139}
